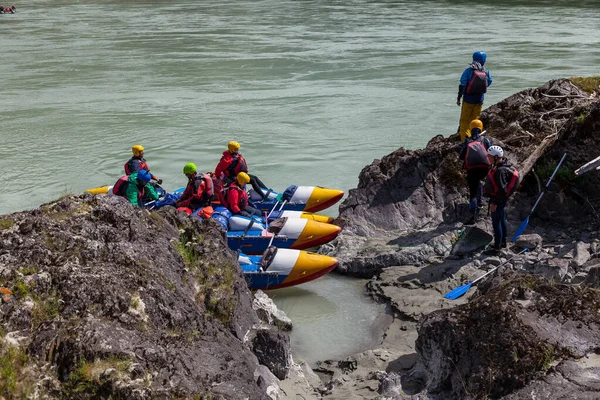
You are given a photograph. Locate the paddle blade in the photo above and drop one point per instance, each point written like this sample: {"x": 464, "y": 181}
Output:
{"x": 459, "y": 291}
{"x": 521, "y": 229}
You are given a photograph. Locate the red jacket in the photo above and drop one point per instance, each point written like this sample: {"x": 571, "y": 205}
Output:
{"x": 136, "y": 164}
{"x": 198, "y": 192}
{"x": 231, "y": 164}
{"x": 237, "y": 198}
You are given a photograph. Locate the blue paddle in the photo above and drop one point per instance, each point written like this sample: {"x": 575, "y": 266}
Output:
{"x": 523, "y": 225}
{"x": 459, "y": 291}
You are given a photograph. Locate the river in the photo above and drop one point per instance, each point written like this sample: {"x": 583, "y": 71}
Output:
{"x": 313, "y": 90}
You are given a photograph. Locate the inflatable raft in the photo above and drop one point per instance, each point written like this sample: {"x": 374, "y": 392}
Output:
{"x": 279, "y": 268}
{"x": 298, "y": 198}
{"x": 295, "y": 198}
{"x": 253, "y": 236}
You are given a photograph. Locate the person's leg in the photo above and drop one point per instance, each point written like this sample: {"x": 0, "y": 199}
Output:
{"x": 468, "y": 113}
{"x": 258, "y": 181}
{"x": 465, "y": 114}
{"x": 253, "y": 211}
{"x": 502, "y": 221}
{"x": 497, "y": 226}
{"x": 257, "y": 186}
{"x": 473, "y": 183}
{"x": 481, "y": 174}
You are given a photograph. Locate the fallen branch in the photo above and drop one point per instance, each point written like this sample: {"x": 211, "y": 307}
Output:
{"x": 565, "y": 96}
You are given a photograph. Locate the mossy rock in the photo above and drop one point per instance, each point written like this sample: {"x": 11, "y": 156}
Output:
{"x": 6, "y": 223}
{"x": 588, "y": 85}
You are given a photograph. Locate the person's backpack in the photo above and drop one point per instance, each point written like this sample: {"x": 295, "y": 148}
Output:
{"x": 514, "y": 180}
{"x": 476, "y": 155}
{"x": 490, "y": 189}
{"x": 478, "y": 83}
{"x": 120, "y": 187}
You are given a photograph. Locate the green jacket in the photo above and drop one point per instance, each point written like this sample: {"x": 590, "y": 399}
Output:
{"x": 136, "y": 190}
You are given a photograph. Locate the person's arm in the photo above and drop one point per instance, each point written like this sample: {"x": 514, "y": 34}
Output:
{"x": 463, "y": 152}
{"x": 150, "y": 192}
{"x": 156, "y": 178}
{"x": 198, "y": 194}
{"x": 222, "y": 165}
{"x": 132, "y": 193}
{"x": 489, "y": 77}
{"x": 464, "y": 80}
{"x": 233, "y": 200}
{"x": 500, "y": 177}
{"x": 184, "y": 200}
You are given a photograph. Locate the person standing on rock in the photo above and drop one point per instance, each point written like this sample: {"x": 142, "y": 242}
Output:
{"x": 475, "y": 156}
{"x": 474, "y": 82}
{"x": 502, "y": 181}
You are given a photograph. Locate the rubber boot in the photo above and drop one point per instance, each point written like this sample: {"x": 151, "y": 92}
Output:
{"x": 473, "y": 208}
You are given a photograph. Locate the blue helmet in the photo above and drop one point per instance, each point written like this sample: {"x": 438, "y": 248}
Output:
{"x": 480, "y": 57}
{"x": 144, "y": 176}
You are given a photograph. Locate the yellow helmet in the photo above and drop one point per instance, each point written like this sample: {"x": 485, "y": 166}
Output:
{"x": 137, "y": 149}
{"x": 476, "y": 124}
{"x": 242, "y": 178}
{"x": 233, "y": 146}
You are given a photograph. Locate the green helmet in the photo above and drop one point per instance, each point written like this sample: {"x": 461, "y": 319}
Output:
{"x": 189, "y": 168}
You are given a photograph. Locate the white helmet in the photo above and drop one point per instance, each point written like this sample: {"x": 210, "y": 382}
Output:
{"x": 496, "y": 151}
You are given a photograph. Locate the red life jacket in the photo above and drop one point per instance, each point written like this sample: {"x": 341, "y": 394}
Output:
{"x": 491, "y": 187}
{"x": 242, "y": 197}
{"x": 120, "y": 188}
{"x": 130, "y": 165}
{"x": 208, "y": 192}
{"x": 476, "y": 155}
{"x": 237, "y": 165}
{"x": 478, "y": 83}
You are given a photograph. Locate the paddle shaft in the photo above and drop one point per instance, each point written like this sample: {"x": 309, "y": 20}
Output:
{"x": 498, "y": 266}
{"x": 282, "y": 204}
{"x": 273, "y": 209}
{"x": 548, "y": 184}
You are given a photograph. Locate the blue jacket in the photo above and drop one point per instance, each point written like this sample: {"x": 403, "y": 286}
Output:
{"x": 464, "y": 81}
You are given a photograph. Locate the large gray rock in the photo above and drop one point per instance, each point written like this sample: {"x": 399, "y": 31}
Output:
{"x": 503, "y": 335}
{"x": 573, "y": 379}
{"x": 472, "y": 239}
{"x": 529, "y": 241}
{"x": 126, "y": 303}
{"x": 555, "y": 269}
{"x": 269, "y": 313}
{"x": 273, "y": 350}
{"x": 582, "y": 254}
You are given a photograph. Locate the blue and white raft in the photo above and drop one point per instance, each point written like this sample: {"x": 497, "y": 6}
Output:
{"x": 253, "y": 236}
{"x": 279, "y": 268}
{"x": 297, "y": 198}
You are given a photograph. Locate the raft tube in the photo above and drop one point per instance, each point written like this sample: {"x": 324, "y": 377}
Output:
{"x": 299, "y": 198}
{"x": 285, "y": 268}
{"x": 295, "y": 233}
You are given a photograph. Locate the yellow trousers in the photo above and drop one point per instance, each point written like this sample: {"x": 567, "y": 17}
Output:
{"x": 468, "y": 113}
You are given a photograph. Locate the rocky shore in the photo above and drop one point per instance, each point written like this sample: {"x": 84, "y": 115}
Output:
{"x": 103, "y": 300}
{"x": 532, "y": 330}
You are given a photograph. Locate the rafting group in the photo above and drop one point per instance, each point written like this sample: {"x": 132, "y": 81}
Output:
{"x": 270, "y": 230}
{"x": 8, "y": 9}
